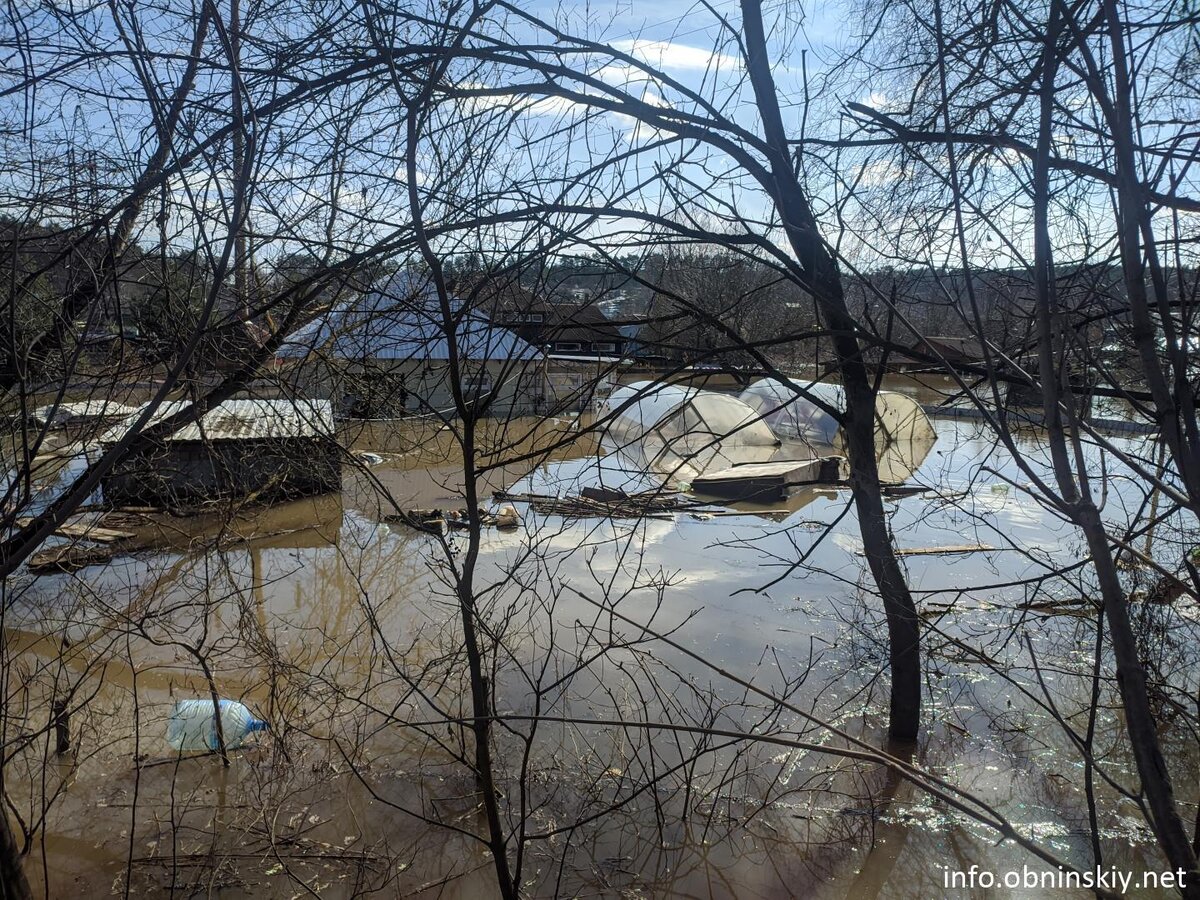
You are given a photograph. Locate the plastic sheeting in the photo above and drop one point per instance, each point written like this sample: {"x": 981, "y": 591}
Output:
{"x": 801, "y": 412}
{"x": 681, "y": 431}
{"x": 794, "y": 411}
{"x": 673, "y": 413}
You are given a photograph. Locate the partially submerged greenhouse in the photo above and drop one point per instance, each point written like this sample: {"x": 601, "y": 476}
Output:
{"x": 774, "y": 436}
{"x": 808, "y": 414}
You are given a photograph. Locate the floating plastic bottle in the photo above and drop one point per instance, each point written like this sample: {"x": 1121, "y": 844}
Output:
{"x": 191, "y": 726}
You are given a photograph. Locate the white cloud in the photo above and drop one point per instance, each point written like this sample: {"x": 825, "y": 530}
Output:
{"x": 678, "y": 57}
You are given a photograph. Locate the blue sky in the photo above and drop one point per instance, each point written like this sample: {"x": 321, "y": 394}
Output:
{"x": 99, "y": 111}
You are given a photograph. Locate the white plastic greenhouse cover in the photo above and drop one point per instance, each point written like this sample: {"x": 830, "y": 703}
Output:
{"x": 685, "y": 415}
{"x": 790, "y": 414}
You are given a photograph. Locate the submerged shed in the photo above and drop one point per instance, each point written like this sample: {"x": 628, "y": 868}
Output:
{"x": 272, "y": 449}
{"x": 81, "y": 412}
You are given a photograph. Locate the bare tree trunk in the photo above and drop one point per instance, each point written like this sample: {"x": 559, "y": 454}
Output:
{"x": 1139, "y": 720}
{"x": 1077, "y": 499}
{"x": 13, "y": 884}
{"x": 240, "y": 285}
{"x": 481, "y": 700}
{"x": 824, "y": 281}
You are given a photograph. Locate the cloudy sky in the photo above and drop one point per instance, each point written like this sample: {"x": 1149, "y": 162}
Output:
{"x": 96, "y": 109}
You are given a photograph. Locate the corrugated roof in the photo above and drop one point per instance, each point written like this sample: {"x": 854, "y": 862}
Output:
{"x": 403, "y": 320}
{"x": 82, "y": 410}
{"x": 242, "y": 420}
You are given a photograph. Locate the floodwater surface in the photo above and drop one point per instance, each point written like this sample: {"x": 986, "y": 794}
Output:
{"x": 629, "y": 658}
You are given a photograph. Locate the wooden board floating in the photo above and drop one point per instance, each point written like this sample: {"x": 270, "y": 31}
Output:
{"x": 606, "y": 503}
{"x": 70, "y": 557}
{"x": 85, "y": 530}
{"x": 935, "y": 551}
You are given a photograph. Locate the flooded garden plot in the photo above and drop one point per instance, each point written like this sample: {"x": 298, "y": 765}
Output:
{"x": 656, "y": 680}
{"x": 491, "y": 449}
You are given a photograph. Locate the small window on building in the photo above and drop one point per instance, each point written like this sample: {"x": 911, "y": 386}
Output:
{"x": 536, "y": 318}
{"x": 606, "y": 347}
{"x": 568, "y": 347}
{"x": 476, "y": 385}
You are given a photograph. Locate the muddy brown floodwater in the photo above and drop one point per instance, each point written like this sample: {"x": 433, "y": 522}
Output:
{"x": 342, "y": 631}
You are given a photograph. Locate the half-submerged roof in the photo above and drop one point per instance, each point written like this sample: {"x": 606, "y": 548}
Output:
{"x": 403, "y": 320}
{"x": 241, "y": 420}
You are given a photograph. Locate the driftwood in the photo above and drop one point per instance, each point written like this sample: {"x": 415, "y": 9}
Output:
{"x": 582, "y": 508}
{"x": 93, "y": 533}
{"x": 93, "y": 545}
{"x": 121, "y": 519}
{"x": 522, "y": 498}
{"x": 953, "y": 548}
{"x": 591, "y": 503}
{"x": 903, "y": 490}
{"x": 646, "y": 505}
{"x": 1167, "y": 590}
{"x": 433, "y": 521}
{"x": 71, "y": 557}
{"x": 427, "y": 520}
{"x": 934, "y": 551}
{"x": 85, "y": 530}
{"x": 606, "y": 503}
{"x": 1062, "y": 606}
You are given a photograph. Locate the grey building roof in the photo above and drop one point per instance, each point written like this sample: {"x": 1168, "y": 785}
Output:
{"x": 403, "y": 320}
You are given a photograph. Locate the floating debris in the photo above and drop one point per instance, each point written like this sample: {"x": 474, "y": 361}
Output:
{"x": 71, "y": 557}
{"x": 86, "y": 530}
{"x": 507, "y": 517}
{"x": 607, "y": 504}
{"x": 937, "y": 551}
{"x": 904, "y": 490}
{"x": 436, "y": 521}
{"x": 770, "y": 481}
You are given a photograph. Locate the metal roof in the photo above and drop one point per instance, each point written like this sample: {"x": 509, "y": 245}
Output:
{"x": 82, "y": 410}
{"x": 241, "y": 420}
{"x": 403, "y": 320}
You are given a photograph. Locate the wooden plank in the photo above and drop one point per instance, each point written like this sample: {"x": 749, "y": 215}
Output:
{"x": 94, "y": 533}
{"x": 935, "y": 551}
{"x": 85, "y": 530}
{"x": 69, "y": 558}
{"x": 761, "y": 470}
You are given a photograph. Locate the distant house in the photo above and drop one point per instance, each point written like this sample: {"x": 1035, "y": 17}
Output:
{"x": 273, "y": 449}
{"x": 390, "y": 353}
{"x": 565, "y": 329}
{"x": 925, "y": 353}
